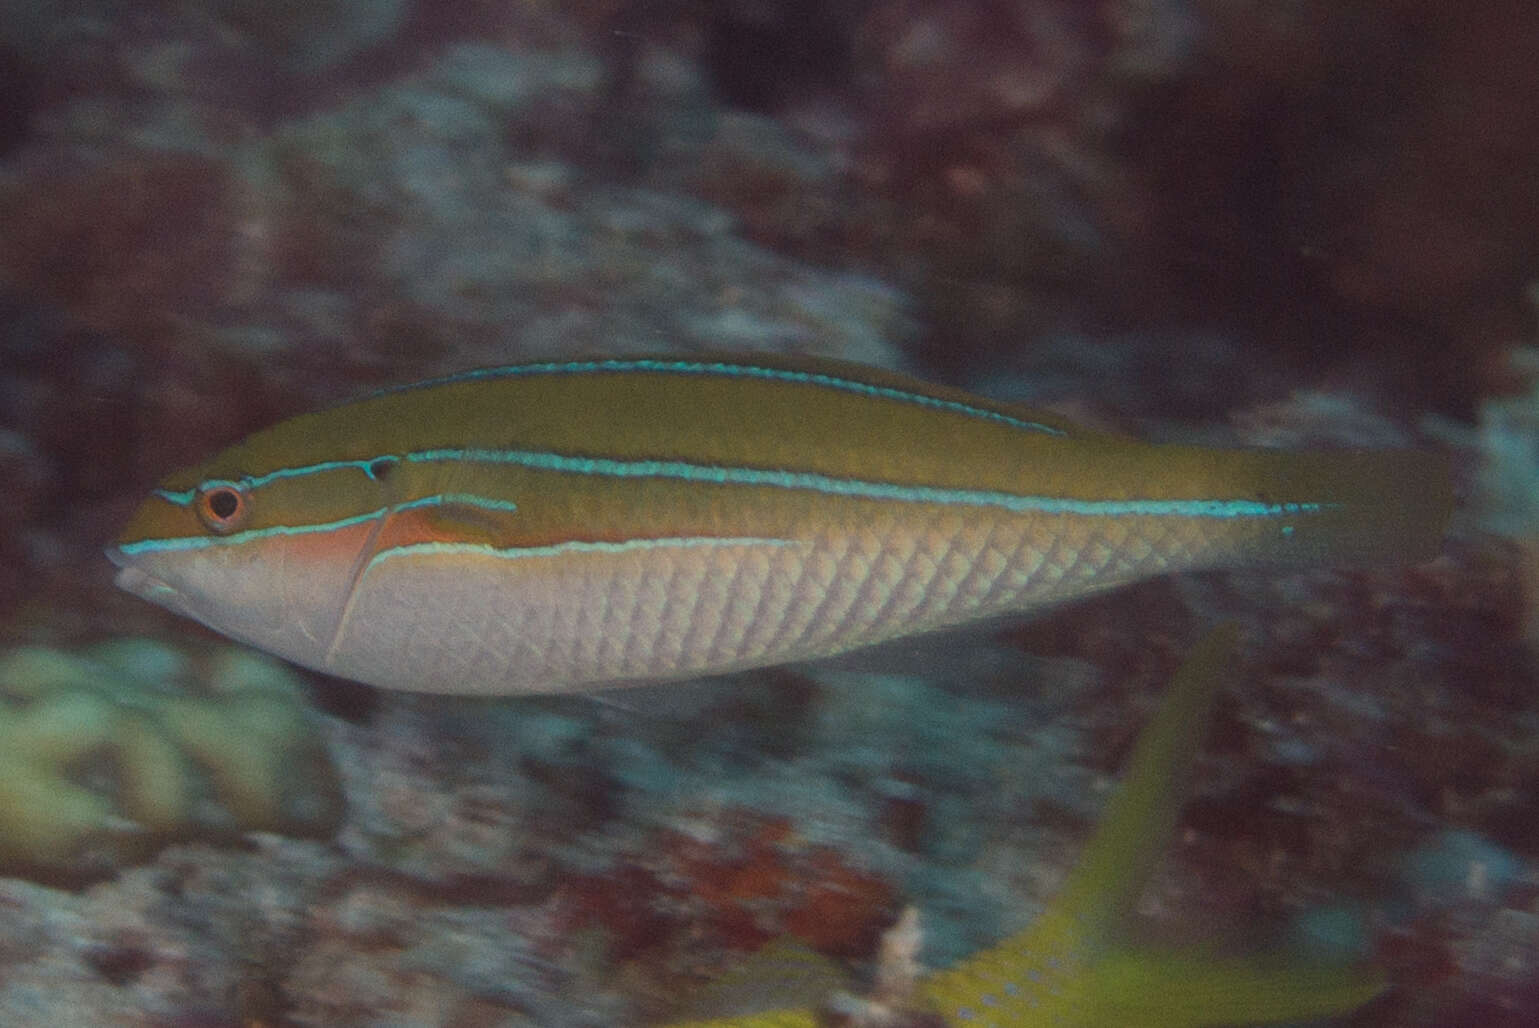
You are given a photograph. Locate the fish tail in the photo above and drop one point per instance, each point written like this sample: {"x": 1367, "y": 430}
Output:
{"x": 1327, "y": 507}
{"x": 1141, "y": 815}
{"x": 1047, "y": 961}
{"x": 1198, "y": 989}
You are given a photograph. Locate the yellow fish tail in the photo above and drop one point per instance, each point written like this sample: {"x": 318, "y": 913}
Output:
{"x": 1067, "y": 969}
{"x": 769, "y": 1019}
{"x": 1193, "y": 991}
{"x": 1047, "y": 966}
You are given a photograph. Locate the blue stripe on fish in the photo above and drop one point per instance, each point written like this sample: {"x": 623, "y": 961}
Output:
{"x": 727, "y": 370}
{"x": 467, "y": 499}
{"x": 863, "y": 489}
{"x": 198, "y": 542}
{"x": 720, "y": 475}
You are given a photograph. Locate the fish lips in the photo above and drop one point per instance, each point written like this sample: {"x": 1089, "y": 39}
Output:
{"x": 134, "y": 579}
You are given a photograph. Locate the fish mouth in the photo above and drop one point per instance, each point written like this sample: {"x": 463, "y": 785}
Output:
{"x": 142, "y": 584}
{"x": 117, "y": 556}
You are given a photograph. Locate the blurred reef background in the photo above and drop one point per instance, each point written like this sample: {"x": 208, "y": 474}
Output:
{"x": 1301, "y": 224}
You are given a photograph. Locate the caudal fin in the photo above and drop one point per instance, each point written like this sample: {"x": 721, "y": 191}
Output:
{"x": 1378, "y": 506}
{"x": 1321, "y": 507}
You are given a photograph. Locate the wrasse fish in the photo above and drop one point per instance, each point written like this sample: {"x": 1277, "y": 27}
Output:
{"x": 1066, "y": 969}
{"x": 558, "y": 526}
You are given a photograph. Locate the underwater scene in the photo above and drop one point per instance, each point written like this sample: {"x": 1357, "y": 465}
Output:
{"x": 769, "y": 513}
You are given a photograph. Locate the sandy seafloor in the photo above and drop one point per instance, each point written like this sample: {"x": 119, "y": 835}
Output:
{"x": 1291, "y": 226}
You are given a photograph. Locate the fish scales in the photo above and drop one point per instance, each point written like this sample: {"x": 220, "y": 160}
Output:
{"x": 564, "y": 525}
{"x": 683, "y": 608}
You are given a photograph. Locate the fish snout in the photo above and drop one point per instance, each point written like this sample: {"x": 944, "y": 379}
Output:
{"x": 134, "y": 579}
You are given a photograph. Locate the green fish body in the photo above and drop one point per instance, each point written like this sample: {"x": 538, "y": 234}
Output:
{"x": 558, "y": 526}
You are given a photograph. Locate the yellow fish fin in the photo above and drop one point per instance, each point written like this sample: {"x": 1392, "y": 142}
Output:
{"x": 1141, "y": 815}
{"x": 768, "y": 1019}
{"x": 776, "y": 987}
{"x": 1049, "y": 965}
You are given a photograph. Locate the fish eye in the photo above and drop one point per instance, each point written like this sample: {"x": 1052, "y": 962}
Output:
{"x": 223, "y": 507}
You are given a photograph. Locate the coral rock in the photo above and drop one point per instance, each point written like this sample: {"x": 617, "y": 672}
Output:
{"x": 107, "y": 755}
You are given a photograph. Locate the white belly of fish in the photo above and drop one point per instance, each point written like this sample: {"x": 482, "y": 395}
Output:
{"x": 464, "y": 619}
